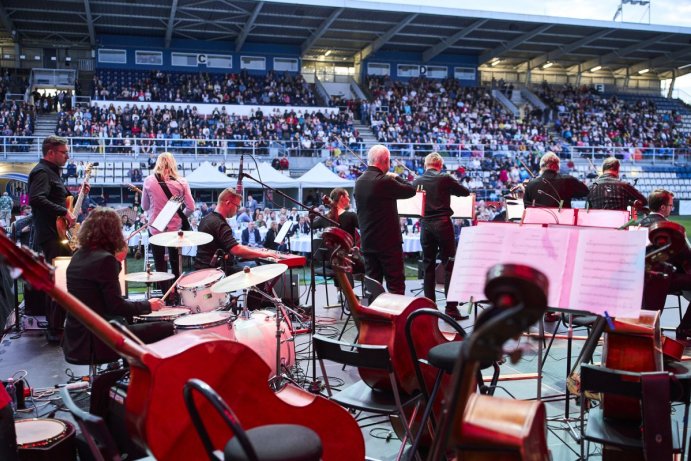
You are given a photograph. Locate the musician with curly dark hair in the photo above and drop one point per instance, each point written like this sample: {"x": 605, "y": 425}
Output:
{"x": 92, "y": 277}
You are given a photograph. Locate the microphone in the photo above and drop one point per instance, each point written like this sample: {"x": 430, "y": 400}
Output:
{"x": 559, "y": 202}
{"x": 556, "y": 192}
{"x": 238, "y": 187}
{"x": 214, "y": 260}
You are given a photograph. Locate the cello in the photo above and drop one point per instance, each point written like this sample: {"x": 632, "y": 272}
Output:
{"x": 480, "y": 427}
{"x": 383, "y": 321}
{"x": 155, "y": 410}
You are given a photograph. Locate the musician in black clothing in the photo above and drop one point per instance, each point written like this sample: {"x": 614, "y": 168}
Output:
{"x": 224, "y": 244}
{"x": 339, "y": 211}
{"x": 47, "y": 197}
{"x": 376, "y": 192}
{"x": 657, "y": 286}
{"x": 551, "y": 189}
{"x": 608, "y": 192}
{"x": 437, "y": 233}
{"x": 92, "y": 277}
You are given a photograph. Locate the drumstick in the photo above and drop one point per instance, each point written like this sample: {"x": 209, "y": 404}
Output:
{"x": 171, "y": 287}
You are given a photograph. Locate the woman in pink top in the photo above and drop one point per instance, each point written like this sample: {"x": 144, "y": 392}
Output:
{"x": 154, "y": 199}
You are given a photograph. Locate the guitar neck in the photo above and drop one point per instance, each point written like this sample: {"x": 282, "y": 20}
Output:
{"x": 80, "y": 199}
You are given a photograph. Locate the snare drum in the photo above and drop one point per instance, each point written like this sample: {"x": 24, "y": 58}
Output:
{"x": 259, "y": 334}
{"x": 195, "y": 290}
{"x": 164, "y": 314}
{"x": 216, "y": 322}
{"x": 45, "y": 439}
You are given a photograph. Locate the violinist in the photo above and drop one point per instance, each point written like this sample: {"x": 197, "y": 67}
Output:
{"x": 436, "y": 231}
{"x": 339, "y": 201}
{"x": 658, "y": 286}
{"x": 376, "y": 192}
{"x": 551, "y": 189}
{"x": 608, "y": 192}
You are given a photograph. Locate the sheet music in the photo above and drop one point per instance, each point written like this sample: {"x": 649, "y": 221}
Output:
{"x": 609, "y": 266}
{"x": 602, "y": 218}
{"x": 545, "y": 215}
{"x": 166, "y": 214}
{"x": 588, "y": 269}
{"x": 541, "y": 248}
{"x": 463, "y": 207}
{"x": 413, "y": 206}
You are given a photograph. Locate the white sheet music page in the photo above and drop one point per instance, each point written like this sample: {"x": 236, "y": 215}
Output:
{"x": 608, "y": 274}
{"x": 481, "y": 247}
{"x": 166, "y": 214}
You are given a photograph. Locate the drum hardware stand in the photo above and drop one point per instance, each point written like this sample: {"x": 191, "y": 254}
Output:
{"x": 315, "y": 384}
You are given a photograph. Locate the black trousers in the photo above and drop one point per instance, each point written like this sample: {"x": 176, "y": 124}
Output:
{"x": 8, "y": 437}
{"x": 657, "y": 288}
{"x": 437, "y": 238}
{"x": 387, "y": 265}
{"x": 159, "y": 253}
{"x": 55, "y": 314}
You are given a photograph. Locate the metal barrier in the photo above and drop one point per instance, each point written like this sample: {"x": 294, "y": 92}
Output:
{"x": 16, "y": 147}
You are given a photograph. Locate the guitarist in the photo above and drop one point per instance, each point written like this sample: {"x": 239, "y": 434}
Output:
{"x": 47, "y": 197}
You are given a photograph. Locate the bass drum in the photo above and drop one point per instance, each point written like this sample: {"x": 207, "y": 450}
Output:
{"x": 259, "y": 334}
{"x": 195, "y": 290}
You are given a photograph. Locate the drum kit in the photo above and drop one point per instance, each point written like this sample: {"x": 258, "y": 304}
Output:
{"x": 205, "y": 294}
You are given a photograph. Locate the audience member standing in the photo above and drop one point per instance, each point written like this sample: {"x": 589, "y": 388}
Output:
{"x": 376, "y": 192}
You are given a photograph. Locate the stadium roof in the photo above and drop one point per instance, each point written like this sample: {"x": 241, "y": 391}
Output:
{"x": 350, "y": 30}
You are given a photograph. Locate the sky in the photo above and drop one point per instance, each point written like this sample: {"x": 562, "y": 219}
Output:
{"x": 662, "y": 12}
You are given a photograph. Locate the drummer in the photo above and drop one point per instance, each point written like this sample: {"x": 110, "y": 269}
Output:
{"x": 224, "y": 246}
{"x": 92, "y": 276}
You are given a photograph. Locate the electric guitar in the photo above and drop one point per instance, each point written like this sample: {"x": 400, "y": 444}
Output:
{"x": 67, "y": 233}
{"x": 155, "y": 410}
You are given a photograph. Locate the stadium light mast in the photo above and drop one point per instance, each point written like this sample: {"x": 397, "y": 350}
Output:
{"x": 642, "y": 4}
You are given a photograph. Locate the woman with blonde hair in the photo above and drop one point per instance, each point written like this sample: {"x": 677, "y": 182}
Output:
{"x": 164, "y": 183}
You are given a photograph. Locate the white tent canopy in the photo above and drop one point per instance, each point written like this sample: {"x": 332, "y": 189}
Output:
{"x": 271, "y": 177}
{"x": 207, "y": 176}
{"x": 321, "y": 176}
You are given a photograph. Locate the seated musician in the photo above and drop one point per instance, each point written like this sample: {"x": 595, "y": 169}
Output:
{"x": 657, "y": 286}
{"x": 340, "y": 212}
{"x": 224, "y": 246}
{"x": 551, "y": 189}
{"x": 92, "y": 277}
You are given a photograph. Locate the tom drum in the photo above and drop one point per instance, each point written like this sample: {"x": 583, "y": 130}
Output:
{"x": 195, "y": 290}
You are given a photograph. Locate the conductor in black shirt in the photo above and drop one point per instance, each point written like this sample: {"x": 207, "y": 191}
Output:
{"x": 436, "y": 232}
{"x": 551, "y": 189}
{"x": 376, "y": 192}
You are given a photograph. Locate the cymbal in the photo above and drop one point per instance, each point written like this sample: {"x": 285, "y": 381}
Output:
{"x": 148, "y": 277}
{"x": 174, "y": 239}
{"x": 249, "y": 277}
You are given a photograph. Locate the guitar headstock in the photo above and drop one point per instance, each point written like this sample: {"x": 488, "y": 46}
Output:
{"x": 134, "y": 188}
{"x": 30, "y": 266}
{"x": 88, "y": 169}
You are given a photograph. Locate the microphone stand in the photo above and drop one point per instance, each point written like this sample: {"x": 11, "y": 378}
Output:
{"x": 315, "y": 385}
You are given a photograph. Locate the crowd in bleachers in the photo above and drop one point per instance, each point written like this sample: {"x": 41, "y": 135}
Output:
{"x": 16, "y": 119}
{"x": 141, "y": 129}
{"x": 445, "y": 113}
{"x": 242, "y": 88}
{"x": 587, "y": 118}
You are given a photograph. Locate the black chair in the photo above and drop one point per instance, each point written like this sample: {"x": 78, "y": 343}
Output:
{"x": 371, "y": 289}
{"x": 359, "y": 396}
{"x": 94, "y": 430}
{"x": 274, "y": 442}
{"x": 322, "y": 267}
{"x": 577, "y": 321}
{"x": 657, "y": 438}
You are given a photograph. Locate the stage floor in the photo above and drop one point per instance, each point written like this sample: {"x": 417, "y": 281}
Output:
{"x": 46, "y": 368}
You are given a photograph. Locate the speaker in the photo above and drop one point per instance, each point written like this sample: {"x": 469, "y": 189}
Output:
{"x": 283, "y": 288}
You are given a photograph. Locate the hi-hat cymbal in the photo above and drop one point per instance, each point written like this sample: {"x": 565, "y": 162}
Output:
{"x": 179, "y": 239}
{"x": 249, "y": 277}
{"x": 148, "y": 277}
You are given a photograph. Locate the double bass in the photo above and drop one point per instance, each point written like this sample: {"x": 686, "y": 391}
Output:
{"x": 383, "y": 321}
{"x": 155, "y": 410}
{"x": 481, "y": 427}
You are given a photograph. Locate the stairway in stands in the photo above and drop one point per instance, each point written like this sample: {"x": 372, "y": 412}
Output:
{"x": 366, "y": 133}
{"x": 45, "y": 124}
